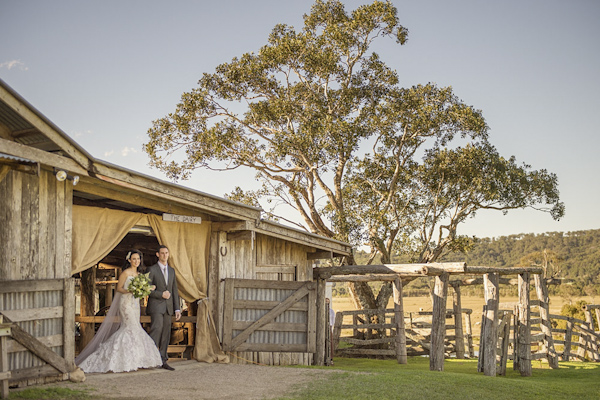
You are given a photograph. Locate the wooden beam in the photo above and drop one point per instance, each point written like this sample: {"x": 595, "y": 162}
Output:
{"x": 232, "y": 226}
{"x": 31, "y": 286}
{"x": 319, "y": 255}
{"x": 41, "y": 156}
{"x": 240, "y": 235}
{"x": 32, "y": 314}
{"x": 503, "y": 271}
{"x": 38, "y": 348}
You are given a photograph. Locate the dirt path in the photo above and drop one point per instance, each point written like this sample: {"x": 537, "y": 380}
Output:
{"x": 194, "y": 380}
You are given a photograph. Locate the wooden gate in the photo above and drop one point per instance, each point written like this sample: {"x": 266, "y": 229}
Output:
{"x": 269, "y": 316}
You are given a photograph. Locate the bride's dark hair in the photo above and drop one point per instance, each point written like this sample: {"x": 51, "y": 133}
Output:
{"x": 128, "y": 257}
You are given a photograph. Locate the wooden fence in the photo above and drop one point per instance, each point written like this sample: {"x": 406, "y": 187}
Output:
{"x": 374, "y": 333}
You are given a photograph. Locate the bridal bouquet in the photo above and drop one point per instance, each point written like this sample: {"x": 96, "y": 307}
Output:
{"x": 140, "y": 286}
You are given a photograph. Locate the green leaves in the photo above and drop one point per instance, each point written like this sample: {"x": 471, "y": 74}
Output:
{"x": 323, "y": 122}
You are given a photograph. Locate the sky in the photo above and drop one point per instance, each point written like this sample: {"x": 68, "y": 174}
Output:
{"x": 103, "y": 71}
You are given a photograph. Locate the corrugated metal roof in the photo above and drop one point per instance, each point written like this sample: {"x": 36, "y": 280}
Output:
{"x": 9, "y": 157}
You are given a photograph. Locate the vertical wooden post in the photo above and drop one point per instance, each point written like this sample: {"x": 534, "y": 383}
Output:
{"x": 458, "y": 321}
{"x": 321, "y": 323}
{"x": 524, "y": 326}
{"x": 438, "y": 323}
{"x": 108, "y": 294}
{"x": 482, "y": 330}
{"x": 401, "y": 356}
{"x": 469, "y": 334}
{"x": 88, "y": 296}
{"x": 504, "y": 331}
{"x": 337, "y": 330}
{"x": 542, "y": 294}
{"x": 490, "y": 335}
{"x": 568, "y": 338}
{"x": 69, "y": 321}
{"x": 593, "y": 344}
{"x": 4, "y": 372}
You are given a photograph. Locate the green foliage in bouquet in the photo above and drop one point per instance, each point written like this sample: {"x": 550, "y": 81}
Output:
{"x": 140, "y": 286}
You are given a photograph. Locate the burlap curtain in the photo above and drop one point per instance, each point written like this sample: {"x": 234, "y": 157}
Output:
{"x": 188, "y": 248}
{"x": 97, "y": 231}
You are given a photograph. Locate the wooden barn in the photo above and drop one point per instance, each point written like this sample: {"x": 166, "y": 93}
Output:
{"x": 67, "y": 221}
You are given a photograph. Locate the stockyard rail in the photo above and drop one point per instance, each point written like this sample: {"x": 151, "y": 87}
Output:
{"x": 497, "y": 324}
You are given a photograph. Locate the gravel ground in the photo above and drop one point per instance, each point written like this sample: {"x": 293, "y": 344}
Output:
{"x": 194, "y": 380}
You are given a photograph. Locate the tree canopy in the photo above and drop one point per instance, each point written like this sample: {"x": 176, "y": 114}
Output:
{"x": 329, "y": 131}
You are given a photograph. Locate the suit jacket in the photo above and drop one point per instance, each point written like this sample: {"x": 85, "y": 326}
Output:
{"x": 156, "y": 304}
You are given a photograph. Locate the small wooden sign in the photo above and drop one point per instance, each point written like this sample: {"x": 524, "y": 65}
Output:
{"x": 182, "y": 218}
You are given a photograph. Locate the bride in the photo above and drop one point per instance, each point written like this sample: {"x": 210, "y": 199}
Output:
{"x": 121, "y": 344}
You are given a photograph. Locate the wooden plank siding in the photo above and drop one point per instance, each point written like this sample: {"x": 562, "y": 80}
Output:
{"x": 35, "y": 216}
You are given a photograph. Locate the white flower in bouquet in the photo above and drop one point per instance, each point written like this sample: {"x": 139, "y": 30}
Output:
{"x": 140, "y": 286}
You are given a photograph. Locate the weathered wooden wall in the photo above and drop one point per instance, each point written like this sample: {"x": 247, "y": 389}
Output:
{"x": 255, "y": 257}
{"x": 35, "y": 226}
{"x": 36, "y": 291}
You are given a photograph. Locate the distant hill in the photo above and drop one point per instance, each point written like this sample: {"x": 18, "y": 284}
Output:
{"x": 579, "y": 252}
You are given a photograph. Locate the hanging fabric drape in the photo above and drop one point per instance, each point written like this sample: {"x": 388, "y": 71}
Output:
{"x": 96, "y": 232}
{"x": 188, "y": 248}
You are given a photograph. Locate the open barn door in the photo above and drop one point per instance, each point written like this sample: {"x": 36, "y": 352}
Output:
{"x": 266, "y": 315}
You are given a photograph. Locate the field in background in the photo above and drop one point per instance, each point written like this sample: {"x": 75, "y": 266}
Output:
{"x": 475, "y": 303}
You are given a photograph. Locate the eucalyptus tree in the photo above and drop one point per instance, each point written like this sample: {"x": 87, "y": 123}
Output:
{"x": 300, "y": 112}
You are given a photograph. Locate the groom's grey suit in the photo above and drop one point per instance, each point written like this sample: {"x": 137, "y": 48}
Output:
{"x": 161, "y": 310}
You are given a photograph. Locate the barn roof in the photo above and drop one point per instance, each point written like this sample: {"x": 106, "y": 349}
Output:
{"x": 29, "y": 137}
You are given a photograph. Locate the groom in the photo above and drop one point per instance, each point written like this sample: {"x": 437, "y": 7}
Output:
{"x": 162, "y": 303}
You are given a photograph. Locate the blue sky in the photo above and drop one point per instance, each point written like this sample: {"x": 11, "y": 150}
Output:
{"x": 103, "y": 71}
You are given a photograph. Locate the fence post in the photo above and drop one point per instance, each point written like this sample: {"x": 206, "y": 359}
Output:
{"x": 5, "y": 374}
{"x": 469, "y": 334}
{"x": 568, "y": 339}
{"x": 399, "y": 319}
{"x": 593, "y": 343}
{"x": 546, "y": 326}
{"x": 321, "y": 323}
{"x": 490, "y": 335}
{"x": 524, "y": 326}
{"x": 458, "y": 324}
{"x": 438, "y": 323}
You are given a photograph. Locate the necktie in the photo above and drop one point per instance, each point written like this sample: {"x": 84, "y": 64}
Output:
{"x": 165, "y": 274}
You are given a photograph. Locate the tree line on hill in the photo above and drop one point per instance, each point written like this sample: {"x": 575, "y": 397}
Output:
{"x": 572, "y": 256}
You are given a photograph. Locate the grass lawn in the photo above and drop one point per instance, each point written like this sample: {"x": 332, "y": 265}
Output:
{"x": 386, "y": 379}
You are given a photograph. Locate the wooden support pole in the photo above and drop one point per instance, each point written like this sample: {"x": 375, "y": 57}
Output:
{"x": 568, "y": 338}
{"x": 438, "y": 324}
{"x": 490, "y": 334}
{"x": 469, "y": 334}
{"x": 87, "y": 306}
{"x": 546, "y": 325}
{"x": 321, "y": 323}
{"x": 524, "y": 326}
{"x": 5, "y": 373}
{"x": 69, "y": 321}
{"x": 458, "y": 322}
{"x": 593, "y": 343}
{"x": 504, "y": 331}
{"x": 399, "y": 319}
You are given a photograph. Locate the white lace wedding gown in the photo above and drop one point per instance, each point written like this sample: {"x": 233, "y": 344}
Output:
{"x": 129, "y": 348}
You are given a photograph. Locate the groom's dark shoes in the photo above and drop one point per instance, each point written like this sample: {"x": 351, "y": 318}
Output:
{"x": 167, "y": 366}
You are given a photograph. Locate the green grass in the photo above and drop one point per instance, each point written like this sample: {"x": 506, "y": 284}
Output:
{"x": 55, "y": 393}
{"x": 386, "y": 379}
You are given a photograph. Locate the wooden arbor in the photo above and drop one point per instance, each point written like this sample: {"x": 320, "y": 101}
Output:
{"x": 441, "y": 272}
